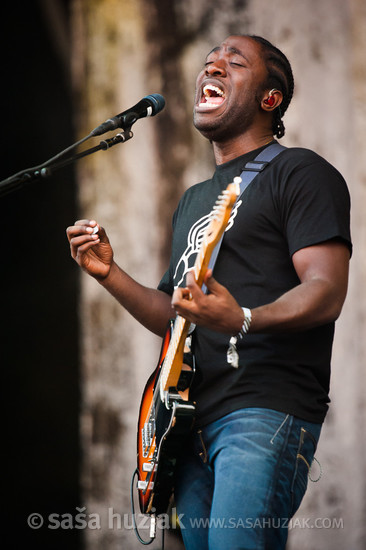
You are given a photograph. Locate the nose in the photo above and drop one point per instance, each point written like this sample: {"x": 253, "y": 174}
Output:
{"x": 217, "y": 68}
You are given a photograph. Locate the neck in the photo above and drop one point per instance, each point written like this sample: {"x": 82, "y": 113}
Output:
{"x": 232, "y": 148}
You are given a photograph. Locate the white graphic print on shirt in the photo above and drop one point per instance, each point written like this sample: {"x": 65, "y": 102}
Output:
{"x": 194, "y": 241}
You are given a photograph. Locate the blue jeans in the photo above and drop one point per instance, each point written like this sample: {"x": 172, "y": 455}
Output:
{"x": 242, "y": 478}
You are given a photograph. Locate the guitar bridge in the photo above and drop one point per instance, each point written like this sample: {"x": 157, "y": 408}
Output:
{"x": 147, "y": 435}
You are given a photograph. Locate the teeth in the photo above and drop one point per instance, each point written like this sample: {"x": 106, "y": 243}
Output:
{"x": 212, "y": 88}
{"x": 207, "y": 105}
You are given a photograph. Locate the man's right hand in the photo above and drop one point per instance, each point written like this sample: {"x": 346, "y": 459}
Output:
{"x": 92, "y": 251}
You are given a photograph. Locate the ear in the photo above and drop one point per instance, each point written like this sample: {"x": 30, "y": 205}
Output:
{"x": 271, "y": 100}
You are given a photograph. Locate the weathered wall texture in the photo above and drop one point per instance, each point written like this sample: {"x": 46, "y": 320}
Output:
{"x": 124, "y": 50}
{"x": 326, "y": 43}
{"x": 117, "y": 188}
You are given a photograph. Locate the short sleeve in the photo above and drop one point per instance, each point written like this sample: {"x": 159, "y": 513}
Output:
{"x": 315, "y": 205}
{"x": 166, "y": 283}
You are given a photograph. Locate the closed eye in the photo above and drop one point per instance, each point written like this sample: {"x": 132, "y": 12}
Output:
{"x": 238, "y": 61}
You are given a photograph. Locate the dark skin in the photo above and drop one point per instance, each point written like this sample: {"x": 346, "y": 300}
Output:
{"x": 237, "y": 69}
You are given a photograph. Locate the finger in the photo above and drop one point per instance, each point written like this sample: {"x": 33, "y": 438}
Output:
{"x": 78, "y": 231}
{"x": 83, "y": 222}
{"x": 80, "y": 250}
{"x": 79, "y": 240}
{"x": 82, "y": 243}
{"x": 81, "y": 227}
{"x": 198, "y": 296}
{"x": 213, "y": 286}
{"x": 179, "y": 295}
{"x": 185, "y": 309}
{"x": 192, "y": 284}
{"x": 208, "y": 274}
{"x": 86, "y": 225}
{"x": 98, "y": 229}
{"x": 73, "y": 231}
{"x": 95, "y": 226}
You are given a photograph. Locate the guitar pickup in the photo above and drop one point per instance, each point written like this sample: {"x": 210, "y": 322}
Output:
{"x": 142, "y": 485}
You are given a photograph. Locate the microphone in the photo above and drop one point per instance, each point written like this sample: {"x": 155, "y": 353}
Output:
{"x": 149, "y": 105}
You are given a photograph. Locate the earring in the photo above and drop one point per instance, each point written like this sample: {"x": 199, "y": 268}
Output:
{"x": 270, "y": 100}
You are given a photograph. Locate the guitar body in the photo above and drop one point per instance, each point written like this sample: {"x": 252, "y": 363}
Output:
{"x": 162, "y": 431}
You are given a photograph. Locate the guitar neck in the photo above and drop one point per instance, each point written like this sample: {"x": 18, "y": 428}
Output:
{"x": 172, "y": 365}
{"x": 173, "y": 361}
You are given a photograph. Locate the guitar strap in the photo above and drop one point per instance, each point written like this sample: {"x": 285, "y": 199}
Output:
{"x": 250, "y": 171}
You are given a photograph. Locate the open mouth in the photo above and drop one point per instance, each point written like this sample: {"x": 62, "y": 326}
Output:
{"x": 212, "y": 97}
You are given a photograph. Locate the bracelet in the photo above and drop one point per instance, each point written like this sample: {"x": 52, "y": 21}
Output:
{"x": 232, "y": 355}
{"x": 247, "y": 321}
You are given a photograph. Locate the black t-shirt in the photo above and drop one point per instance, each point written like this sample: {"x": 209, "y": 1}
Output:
{"x": 299, "y": 200}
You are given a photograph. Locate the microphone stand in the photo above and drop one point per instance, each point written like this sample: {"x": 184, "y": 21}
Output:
{"x": 47, "y": 168}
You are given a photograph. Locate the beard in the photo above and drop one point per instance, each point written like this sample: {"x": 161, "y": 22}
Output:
{"x": 234, "y": 121}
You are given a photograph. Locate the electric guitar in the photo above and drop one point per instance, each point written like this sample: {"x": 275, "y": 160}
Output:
{"x": 166, "y": 415}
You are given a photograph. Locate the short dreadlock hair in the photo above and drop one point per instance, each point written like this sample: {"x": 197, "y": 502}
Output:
{"x": 280, "y": 77}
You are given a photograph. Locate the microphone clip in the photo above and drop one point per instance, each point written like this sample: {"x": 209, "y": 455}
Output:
{"x": 121, "y": 137}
